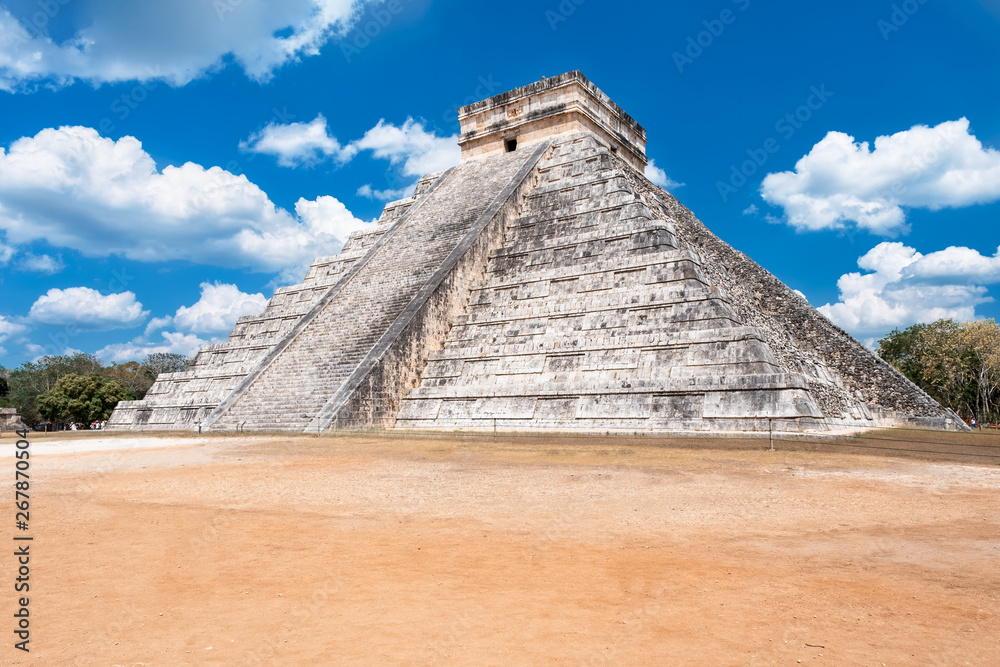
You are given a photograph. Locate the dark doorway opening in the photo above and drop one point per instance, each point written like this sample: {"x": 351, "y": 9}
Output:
{"x": 511, "y": 145}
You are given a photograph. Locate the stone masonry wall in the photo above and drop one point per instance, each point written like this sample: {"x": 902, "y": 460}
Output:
{"x": 593, "y": 316}
{"x": 377, "y": 400}
{"x": 844, "y": 376}
{"x": 9, "y": 419}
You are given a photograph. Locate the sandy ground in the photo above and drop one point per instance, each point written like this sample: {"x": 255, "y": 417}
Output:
{"x": 308, "y": 551}
{"x": 54, "y": 444}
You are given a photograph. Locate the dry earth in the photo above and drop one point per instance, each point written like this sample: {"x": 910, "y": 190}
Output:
{"x": 304, "y": 551}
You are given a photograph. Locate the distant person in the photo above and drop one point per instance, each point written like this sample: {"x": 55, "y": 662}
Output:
{"x": 973, "y": 424}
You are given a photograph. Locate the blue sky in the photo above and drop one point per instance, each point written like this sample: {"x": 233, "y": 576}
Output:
{"x": 166, "y": 165}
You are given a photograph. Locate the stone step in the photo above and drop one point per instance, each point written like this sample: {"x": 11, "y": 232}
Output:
{"x": 532, "y": 389}
{"x": 651, "y": 340}
{"x": 560, "y": 239}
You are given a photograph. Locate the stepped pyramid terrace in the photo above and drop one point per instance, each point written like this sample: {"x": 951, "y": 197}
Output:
{"x": 542, "y": 284}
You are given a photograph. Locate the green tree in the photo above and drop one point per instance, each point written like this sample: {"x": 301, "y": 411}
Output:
{"x": 162, "y": 362}
{"x": 982, "y": 341}
{"x": 4, "y": 383}
{"x": 41, "y": 375}
{"x": 140, "y": 377}
{"x": 133, "y": 375}
{"x": 82, "y": 398}
{"x": 904, "y": 349}
{"x": 31, "y": 379}
{"x": 946, "y": 364}
{"x": 958, "y": 364}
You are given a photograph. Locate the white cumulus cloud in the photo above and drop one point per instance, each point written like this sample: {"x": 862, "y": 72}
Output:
{"x": 87, "y": 309}
{"x": 158, "y": 324}
{"x": 28, "y": 261}
{"x": 659, "y": 177}
{"x": 295, "y": 144}
{"x": 8, "y": 328}
{"x": 41, "y": 264}
{"x": 208, "y": 320}
{"x": 411, "y": 146}
{"x": 419, "y": 151}
{"x": 176, "y": 41}
{"x": 903, "y": 287}
{"x": 172, "y": 342}
{"x": 327, "y": 216}
{"x": 386, "y": 195}
{"x": 218, "y": 309}
{"x": 75, "y": 189}
{"x": 843, "y": 182}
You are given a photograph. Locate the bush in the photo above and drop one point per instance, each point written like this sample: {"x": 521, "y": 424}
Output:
{"x": 956, "y": 363}
{"x": 79, "y": 398}
{"x": 33, "y": 379}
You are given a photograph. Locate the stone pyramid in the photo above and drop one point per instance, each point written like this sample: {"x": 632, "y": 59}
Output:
{"x": 542, "y": 284}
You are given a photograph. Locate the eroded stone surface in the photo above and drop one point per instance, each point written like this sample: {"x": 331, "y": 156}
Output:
{"x": 606, "y": 309}
{"x": 559, "y": 107}
{"x": 9, "y": 419}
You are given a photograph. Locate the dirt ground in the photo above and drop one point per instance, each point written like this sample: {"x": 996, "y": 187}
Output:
{"x": 317, "y": 551}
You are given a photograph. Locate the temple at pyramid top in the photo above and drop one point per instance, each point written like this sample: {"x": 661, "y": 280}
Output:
{"x": 563, "y": 106}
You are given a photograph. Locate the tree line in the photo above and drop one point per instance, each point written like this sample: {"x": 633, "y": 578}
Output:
{"x": 956, "y": 363}
{"x": 79, "y": 388}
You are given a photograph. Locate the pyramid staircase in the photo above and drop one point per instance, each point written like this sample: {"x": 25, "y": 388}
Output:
{"x": 308, "y": 376}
